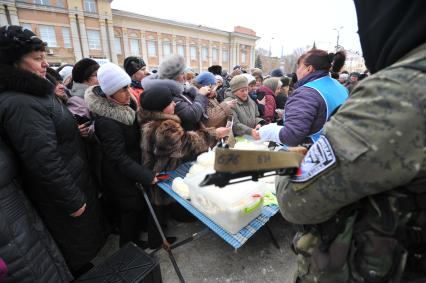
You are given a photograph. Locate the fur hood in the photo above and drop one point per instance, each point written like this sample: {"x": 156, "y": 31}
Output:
{"x": 145, "y": 116}
{"x": 100, "y": 105}
{"x": 19, "y": 80}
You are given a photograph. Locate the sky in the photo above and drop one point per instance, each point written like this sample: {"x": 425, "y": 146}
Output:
{"x": 283, "y": 25}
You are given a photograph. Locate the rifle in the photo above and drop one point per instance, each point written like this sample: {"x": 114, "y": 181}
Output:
{"x": 235, "y": 166}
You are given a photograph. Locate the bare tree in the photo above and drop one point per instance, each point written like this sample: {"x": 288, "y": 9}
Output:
{"x": 290, "y": 61}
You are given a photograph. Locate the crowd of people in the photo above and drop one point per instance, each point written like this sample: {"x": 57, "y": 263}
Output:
{"x": 76, "y": 140}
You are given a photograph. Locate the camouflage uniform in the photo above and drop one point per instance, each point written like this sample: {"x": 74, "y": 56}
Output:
{"x": 354, "y": 213}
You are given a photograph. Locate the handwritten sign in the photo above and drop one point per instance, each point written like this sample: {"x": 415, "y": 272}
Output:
{"x": 233, "y": 161}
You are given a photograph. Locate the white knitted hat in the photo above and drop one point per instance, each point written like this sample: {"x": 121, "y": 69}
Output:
{"x": 112, "y": 78}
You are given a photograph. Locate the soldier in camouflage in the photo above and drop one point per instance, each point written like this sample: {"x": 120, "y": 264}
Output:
{"x": 359, "y": 198}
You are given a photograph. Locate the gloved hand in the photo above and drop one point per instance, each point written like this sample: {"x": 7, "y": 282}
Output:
{"x": 270, "y": 132}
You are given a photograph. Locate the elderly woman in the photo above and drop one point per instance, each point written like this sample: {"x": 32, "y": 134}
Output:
{"x": 316, "y": 97}
{"x": 245, "y": 113}
{"x": 43, "y": 134}
{"x": 270, "y": 89}
{"x": 118, "y": 133}
{"x": 164, "y": 142}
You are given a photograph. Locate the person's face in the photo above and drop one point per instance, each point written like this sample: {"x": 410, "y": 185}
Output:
{"x": 212, "y": 92}
{"x": 252, "y": 86}
{"x": 122, "y": 96}
{"x": 35, "y": 62}
{"x": 242, "y": 93}
{"x": 303, "y": 70}
{"x": 140, "y": 74}
{"x": 170, "y": 109}
{"x": 219, "y": 83}
{"x": 181, "y": 78}
{"x": 258, "y": 84}
{"x": 93, "y": 79}
{"x": 60, "y": 90}
{"x": 354, "y": 78}
{"x": 278, "y": 90}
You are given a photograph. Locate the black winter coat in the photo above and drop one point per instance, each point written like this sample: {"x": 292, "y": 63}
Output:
{"x": 26, "y": 246}
{"x": 119, "y": 135}
{"x": 43, "y": 134}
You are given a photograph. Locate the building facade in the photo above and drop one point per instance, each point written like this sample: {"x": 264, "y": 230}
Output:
{"x": 75, "y": 29}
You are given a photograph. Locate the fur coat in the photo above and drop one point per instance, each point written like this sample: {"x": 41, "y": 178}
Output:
{"x": 165, "y": 144}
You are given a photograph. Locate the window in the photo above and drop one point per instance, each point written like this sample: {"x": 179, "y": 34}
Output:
{"x": 167, "y": 48}
{"x": 134, "y": 47}
{"x": 193, "y": 50}
{"x": 204, "y": 53}
{"x": 47, "y": 34}
{"x": 152, "y": 47}
{"x": 27, "y": 26}
{"x": 90, "y": 6}
{"x": 225, "y": 56}
{"x": 180, "y": 50}
{"x": 243, "y": 56}
{"x": 117, "y": 45}
{"x": 42, "y": 2}
{"x": 67, "y": 37}
{"x": 214, "y": 54}
{"x": 60, "y": 3}
{"x": 94, "y": 39}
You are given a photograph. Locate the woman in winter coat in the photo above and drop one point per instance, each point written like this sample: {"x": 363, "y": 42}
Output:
{"x": 217, "y": 113}
{"x": 119, "y": 136}
{"x": 245, "y": 113}
{"x": 191, "y": 104}
{"x": 315, "y": 99}
{"x": 43, "y": 134}
{"x": 270, "y": 88}
{"x": 24, "y": 238}
{"x": 164, "y": 142}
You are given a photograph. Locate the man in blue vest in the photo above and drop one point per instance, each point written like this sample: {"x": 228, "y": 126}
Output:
{"x": 316, "y": 97}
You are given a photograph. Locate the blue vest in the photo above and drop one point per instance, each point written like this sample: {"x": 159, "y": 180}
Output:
{"x": 333, "y": 93}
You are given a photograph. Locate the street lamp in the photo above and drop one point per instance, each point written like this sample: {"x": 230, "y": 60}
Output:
{"x": 270, "y": 54}
{"x": 270, "y": 43}
{"x": 338, "y": 35}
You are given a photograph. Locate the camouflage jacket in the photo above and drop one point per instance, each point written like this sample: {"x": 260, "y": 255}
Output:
{"x": 378, "y": 140}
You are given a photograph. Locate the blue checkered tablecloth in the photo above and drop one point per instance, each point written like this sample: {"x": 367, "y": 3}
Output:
{"x": 235, "y": 240}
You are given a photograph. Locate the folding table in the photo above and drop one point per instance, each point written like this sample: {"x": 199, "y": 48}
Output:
{"x": 235, "y": 240}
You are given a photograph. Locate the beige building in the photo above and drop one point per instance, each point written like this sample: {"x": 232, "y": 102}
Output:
{"x": 75, "y": 29}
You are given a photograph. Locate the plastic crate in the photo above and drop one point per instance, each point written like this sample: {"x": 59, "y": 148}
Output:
{"x": 130, "y": 265}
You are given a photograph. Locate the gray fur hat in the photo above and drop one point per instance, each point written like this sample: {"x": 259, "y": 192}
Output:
{"x": 238, "y": 82}
{"x": 171, "y": 67}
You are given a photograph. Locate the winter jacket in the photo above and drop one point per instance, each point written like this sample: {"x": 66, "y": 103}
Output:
{"x": 165, "y": 144}
{"x": 76, "y": 102}
{"x": 218, "y": 113}
{"x": 270, "y": 104}
{"x": 190, "y": 106}
{"x": 119, "y": 136}
{"x": 136, "y": 90}
{"x": 44, "y": 135}
{"x": 26, "y": 247}
{"x": 246, "y": 116}
{"x": 305, "y": 112}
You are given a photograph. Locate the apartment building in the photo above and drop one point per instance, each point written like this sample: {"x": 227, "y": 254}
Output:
{"x": 75, "y": 29}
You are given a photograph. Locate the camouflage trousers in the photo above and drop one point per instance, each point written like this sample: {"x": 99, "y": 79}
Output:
{"x": 353, "y": 256}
